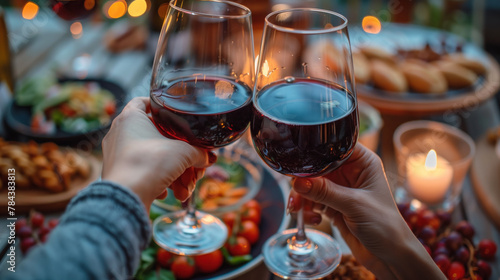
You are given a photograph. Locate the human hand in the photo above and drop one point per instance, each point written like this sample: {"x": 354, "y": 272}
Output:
{"x": 358, "y": 199}
{"x": 140, "y": 158}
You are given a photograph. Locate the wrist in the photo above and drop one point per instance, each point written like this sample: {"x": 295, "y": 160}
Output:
{"x": 411, "y": 260}
{"x": 127, "y": 180}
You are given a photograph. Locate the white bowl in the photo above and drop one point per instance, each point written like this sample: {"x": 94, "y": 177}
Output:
{"x": 370, "y": 118}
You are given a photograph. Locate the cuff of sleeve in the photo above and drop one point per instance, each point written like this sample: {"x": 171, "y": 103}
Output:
{"x": 114, "y": 207}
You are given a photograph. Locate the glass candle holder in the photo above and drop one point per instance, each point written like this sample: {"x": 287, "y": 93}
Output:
{"x": 433, "y": 159}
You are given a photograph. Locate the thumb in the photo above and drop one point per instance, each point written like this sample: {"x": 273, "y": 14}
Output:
{"x": 324, "y": 191}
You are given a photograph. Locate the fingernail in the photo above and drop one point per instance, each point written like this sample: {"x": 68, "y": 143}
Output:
{"x": 302, "y": 185}
{"x": 316, "y": 220}
{"x": 212, "y": 157}
{"x": 290, "y": 205}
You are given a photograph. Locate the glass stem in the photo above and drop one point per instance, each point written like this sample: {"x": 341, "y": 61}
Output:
{"x": 189, "y": 223}
{"x": 301, "y": 247}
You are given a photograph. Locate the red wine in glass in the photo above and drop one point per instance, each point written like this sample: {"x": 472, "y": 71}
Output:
{"x": 304, "y": 127}
{"x": 73, "y": 9}
{"x": 208, "y": 112}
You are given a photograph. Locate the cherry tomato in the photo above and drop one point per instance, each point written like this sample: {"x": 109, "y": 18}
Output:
{"x": 253, "y": 204}
{"x": 210, "y": 262}
{"x": 110, "y": 108}
{"x": 229, "y": 218}
{"x": 164, "y": 258}
{"x": 251, "y": 214}
{"x": 238, "y": 246}
{"x": 67, "y": 110}
{"x": 183, "y": 267}
{"x": 250, "y": 231}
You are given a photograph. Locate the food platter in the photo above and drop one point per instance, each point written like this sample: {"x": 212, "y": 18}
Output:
{"x": 18, "y": 119}
{"x": 42, "y": 200}
{"x": 394, "y": 37}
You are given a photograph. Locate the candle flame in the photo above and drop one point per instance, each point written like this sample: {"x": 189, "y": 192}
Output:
{"x": 371, "y": 25}
{"x": 431, "y": 160}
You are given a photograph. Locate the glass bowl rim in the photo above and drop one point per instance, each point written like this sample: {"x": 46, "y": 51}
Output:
{"x": 306, "y": 31}
{"x": 248, "y": 12}
{"x": 436, "y": 126}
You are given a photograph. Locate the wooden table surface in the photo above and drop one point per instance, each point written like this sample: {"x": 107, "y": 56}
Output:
{"x": 45, "y": 44}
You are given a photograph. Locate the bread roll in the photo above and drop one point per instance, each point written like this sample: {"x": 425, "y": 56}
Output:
{"x": 361, "y": 67}
{"x": 387, "y": 77}
{"x": 456, "y": 75}
{"x": 423, "y": 77}
{"x": 471, "y": 64}
{"x": 377, "y": 53}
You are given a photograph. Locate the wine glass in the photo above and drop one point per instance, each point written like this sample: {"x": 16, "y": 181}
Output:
{"x": 305, "y": 121}
{"x": 201, "y": 92}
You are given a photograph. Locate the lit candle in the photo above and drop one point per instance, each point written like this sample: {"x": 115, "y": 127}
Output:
{"x": 428, "y": 176}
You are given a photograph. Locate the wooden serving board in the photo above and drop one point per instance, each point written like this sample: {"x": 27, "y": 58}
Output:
{"x": 485, "y": 177}
{"x": 42, "y": 200}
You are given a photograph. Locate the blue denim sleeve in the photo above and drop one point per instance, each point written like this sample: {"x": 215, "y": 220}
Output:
{"x": 100, "y": 236}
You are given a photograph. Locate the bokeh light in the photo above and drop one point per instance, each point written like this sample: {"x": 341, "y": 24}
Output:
{"x": 137, "y": 8}
{"x": 76, "y": 29}
{"x": 371, "y": 25}
{"x": 30, "y": 10}
{"x": 115, "y": 9}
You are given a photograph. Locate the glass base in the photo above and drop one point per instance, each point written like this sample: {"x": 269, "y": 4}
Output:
{"x": 323, "y": 259}
{"x": 171, "y": 234}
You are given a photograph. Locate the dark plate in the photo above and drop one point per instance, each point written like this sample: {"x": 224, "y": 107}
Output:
{"x": 17, "y": 121}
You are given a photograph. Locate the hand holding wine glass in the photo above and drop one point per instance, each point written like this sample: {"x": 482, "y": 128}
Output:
{"x": 201, "y": 84}
{"x": 305, "y": 121}
{"x": 358, "y": 199}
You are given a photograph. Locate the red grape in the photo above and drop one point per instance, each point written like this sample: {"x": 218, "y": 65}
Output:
{"x": 43, "y": 230}
{"x": 465, "y": 229}
{"x": 44, "y": 238}
{"x": 427, "y": 234}
{"x": 456, "y": 271}
{"x": 25, "y": 232}
{"x": 462, "y": 254}
{"x": 483, "y": 269}
{"x": 444, "y": 216}
{"x": 486, "y": 249}
{"x": 443, "y": 262}
{"x": 426, "y": 217}
{"x": 27, "y": 244}
{"x": 411, "y": 218}
{"x": 402, "y": 207}
{"x": 53, "y": 223}
{"x": 21, "y": 223}
{"x": 36, "y": 219}
{"x": 441, "y": 251}
{"x": 428, "y": 249}
{"x": 454, "y": 241}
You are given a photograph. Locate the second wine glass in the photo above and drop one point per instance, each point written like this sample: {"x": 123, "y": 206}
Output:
{"x": 201, "y": 84}
{"x": 305, "y": 122}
